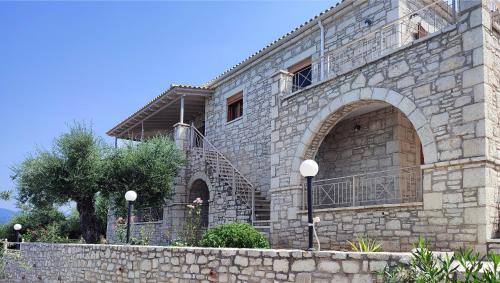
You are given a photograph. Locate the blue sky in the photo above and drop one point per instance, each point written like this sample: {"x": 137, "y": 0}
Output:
{"x": 100, "y": 61}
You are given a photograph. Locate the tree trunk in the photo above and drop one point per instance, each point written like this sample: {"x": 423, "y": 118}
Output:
{"x": 88, "y": 221}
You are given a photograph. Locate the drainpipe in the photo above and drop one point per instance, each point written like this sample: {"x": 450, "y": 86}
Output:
{"x": 321, "y": 51}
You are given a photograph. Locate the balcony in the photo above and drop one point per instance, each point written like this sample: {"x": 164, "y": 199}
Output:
{"x": 416, "y": 23}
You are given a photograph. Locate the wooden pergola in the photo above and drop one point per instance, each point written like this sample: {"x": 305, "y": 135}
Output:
{"x": 178, "y": 104}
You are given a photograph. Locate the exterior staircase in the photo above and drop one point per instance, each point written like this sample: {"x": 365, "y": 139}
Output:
{"x": 220, "y": 170}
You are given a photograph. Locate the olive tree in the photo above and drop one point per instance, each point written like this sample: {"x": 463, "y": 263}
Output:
{"x": 80, "y": 166}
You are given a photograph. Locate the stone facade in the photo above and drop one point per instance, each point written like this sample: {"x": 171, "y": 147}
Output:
{"x": 441, "y": 95}
{"x": 108, "y": 263}
{"x": 444, "y": 102}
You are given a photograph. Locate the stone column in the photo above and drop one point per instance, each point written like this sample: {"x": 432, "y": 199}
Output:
{"x": 285, "y": 200}
{"x": 182, "y": 135}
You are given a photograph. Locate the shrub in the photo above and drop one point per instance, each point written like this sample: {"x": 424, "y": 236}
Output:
{"x": 463, "y": 266}
{"x": 234, "y": 235}
{"x": 191, "y": 231}
{"x": 365, "y": 244}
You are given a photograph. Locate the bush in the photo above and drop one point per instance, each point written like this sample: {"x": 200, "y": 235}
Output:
{"x": 234, "y": 235}
{"x": 365, "y": 244}
{"x": 463, "y": 266}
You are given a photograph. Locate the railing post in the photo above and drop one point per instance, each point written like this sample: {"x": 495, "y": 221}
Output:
{"x": 218, "y": 167}
{"x": 253, "y": 205}
{"x": 234, "y": 182}
{"x": 454, "y": 7}
{"x": 353, "y": 190}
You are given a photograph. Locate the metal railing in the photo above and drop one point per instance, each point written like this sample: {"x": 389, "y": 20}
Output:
{"x": 432, "y": 18}
{"x": 401, "y": 185}
{"x": 148, "y": 214}
{"x": 223, "y": 169}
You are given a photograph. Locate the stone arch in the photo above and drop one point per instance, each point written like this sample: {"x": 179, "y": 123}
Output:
{"x": 334, "y": 111}
{"x": 200, "y": 176}
{"x": 199, "y": 187}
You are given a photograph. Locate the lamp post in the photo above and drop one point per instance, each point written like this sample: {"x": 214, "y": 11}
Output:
{"x": 130, "y": 197}
{"x": 308, "y": 169}
{"x": 17, "y": 228}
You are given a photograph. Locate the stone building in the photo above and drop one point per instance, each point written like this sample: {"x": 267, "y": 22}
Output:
{"x": 397, "y": 100}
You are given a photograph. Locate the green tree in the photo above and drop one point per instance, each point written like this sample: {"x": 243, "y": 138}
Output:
{"x": 80, "y": 167}
{"x": 148, "y": 168}
{"x": 32, "y": 219}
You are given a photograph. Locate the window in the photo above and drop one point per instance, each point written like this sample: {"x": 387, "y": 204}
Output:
{"x": 302, "y": 74}
{"x": 235, "y": 106}
{"x": 421, "y": 32}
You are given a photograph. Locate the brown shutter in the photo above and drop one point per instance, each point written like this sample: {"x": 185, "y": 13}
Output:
{"x": 234, "y": 98}
{"x": 300, "y": 65}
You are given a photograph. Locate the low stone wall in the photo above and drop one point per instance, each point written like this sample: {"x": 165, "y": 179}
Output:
{"x": 113, "y": 263}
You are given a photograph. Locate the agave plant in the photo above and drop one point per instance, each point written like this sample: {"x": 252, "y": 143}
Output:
{"x": 365, "y": 244}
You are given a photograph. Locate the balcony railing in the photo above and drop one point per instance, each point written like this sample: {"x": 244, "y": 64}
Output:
{"x": 494, "y": 7}
{"x": 148, "y": 214}
{"x": 417, "y": 22}
{"x": 402, "y": 185}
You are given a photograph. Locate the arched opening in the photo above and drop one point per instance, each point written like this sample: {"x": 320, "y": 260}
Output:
{"x": 199, "y": 189}
{"x": 370, "y": 155}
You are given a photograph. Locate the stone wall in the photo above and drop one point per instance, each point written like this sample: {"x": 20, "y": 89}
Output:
{"x": 437, "y": 82}
{"x": 491, "y": 59}
{"x": 98, "y": 263}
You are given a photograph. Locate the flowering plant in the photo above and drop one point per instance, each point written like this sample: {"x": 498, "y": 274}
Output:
{"x": 191, "y": 232}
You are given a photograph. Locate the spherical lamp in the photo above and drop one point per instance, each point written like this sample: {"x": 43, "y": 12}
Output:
{"x": 130, "y": 196}
{"x": 308, "y": 168}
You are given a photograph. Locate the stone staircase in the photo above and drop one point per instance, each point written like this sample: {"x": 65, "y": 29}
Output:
{"x": 220, "y": 170}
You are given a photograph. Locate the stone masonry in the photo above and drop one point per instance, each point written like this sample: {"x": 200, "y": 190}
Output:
{"x": 111, "y": 263}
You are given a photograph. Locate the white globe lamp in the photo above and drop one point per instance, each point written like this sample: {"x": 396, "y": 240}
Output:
{"x": 309, "y": 168}
{"x": 130, "y": 196}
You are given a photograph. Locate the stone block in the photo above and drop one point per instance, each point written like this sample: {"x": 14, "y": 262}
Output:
{"x": 440, "y": 119}
{"x": 475, "y": 215}
{"x": 303, "y": 265}
{"x": 241, "y": 261}
{"x": 393, "y": 225}
{"x": 472, "y": 39}
{"x": 280, "y": 265}
{"x": 473, "y": 76}
{"x": 433, "y": 201}
{"x": 328, "y": 267}
{"x": 351, "y": 266}
{"x": 474, "y": 177}
{"x": 445, "y": 83}
{"x": 474, "y": 147}
{"x": 422, "y": 91}
{"x": 473, "y": 112}
{"x": 451, "y": 64}
{"x": 398, "y": 69}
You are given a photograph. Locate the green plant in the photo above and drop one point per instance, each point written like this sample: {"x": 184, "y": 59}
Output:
{"x": 144, "y": 237}
{"x": 234, "y": 235}
{"x": 492, "y": 273}
{"x": 191, "y": 231}
{"x": 80, "y": 167}
{"x": 426, "y": 267}
{"x": 365, "y": 244}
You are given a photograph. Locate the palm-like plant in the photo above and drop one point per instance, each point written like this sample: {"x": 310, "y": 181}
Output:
{"x": 365, "y": 244}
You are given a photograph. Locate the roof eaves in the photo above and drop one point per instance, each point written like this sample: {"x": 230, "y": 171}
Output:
{"x": 171, "y": 89}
